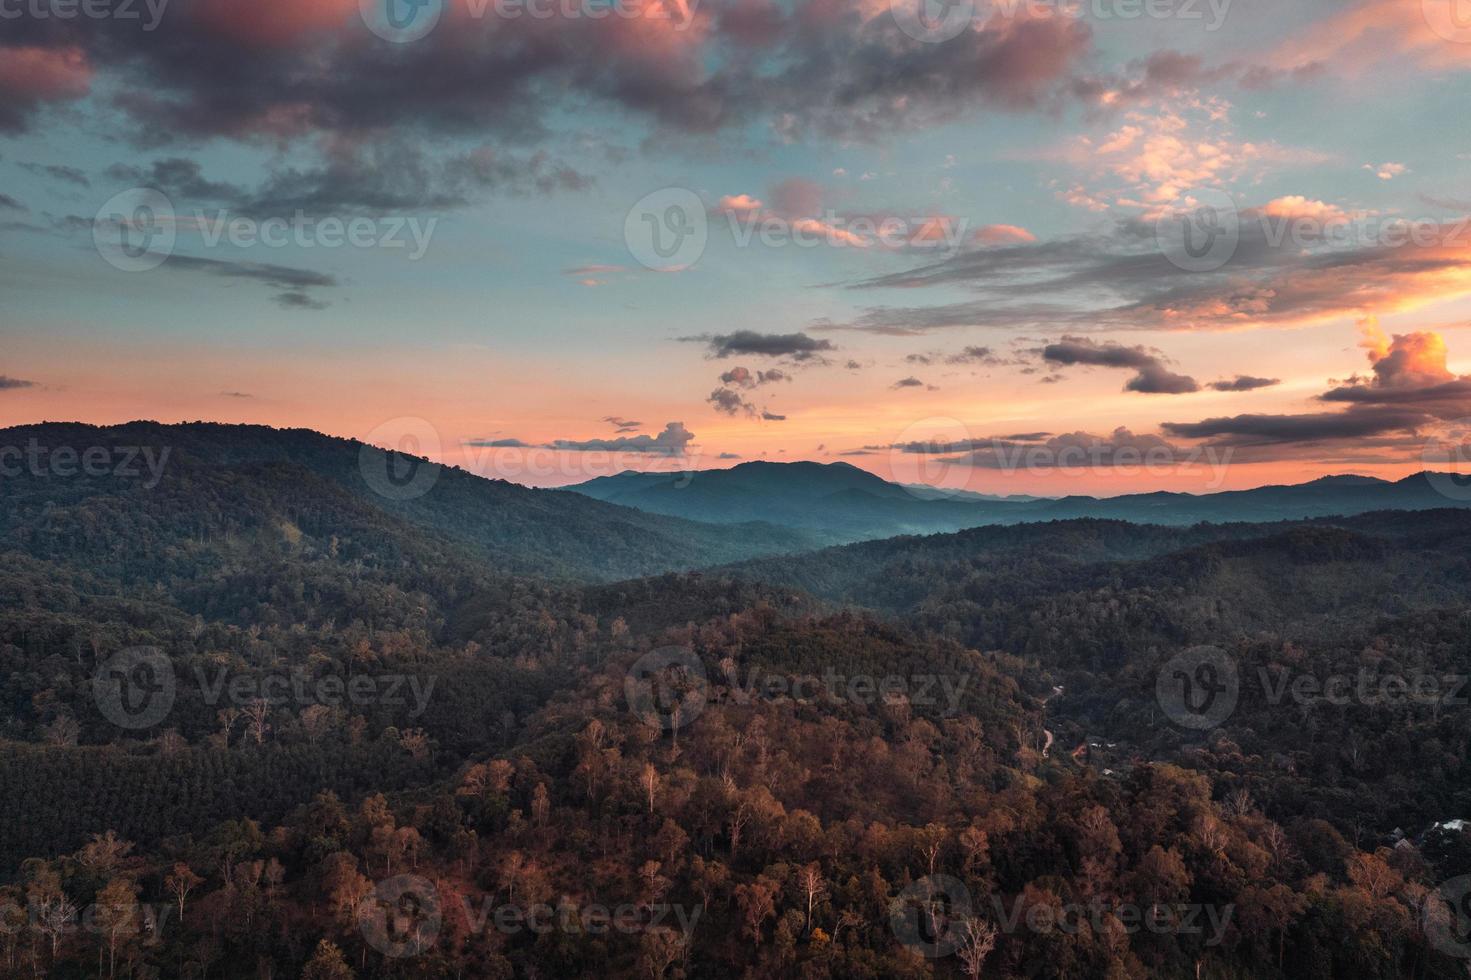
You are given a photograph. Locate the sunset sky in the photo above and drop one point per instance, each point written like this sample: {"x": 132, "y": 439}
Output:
{"x": 923, "y": 257}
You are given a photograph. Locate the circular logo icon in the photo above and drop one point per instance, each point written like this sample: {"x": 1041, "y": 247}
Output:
{"x": 135, "y": 230}
{"x": 1198, "y": 688}
{"x": 1445, "y": 458}
{"x": 933, "y": 21}
{"x": 1199, "y": 232}
{"x": 401, "y": 917}
{"x": 401, "y": 472}
{"x": 134, "y": 688}
{"x": 401, "y": 21}
{"x": 1451, "y": 19}
{"x": 1447, "y": 922}
{"x": 933, "y": 457}
{"x": 667, "y": 688}
{"x": 926, "y": 916}
{"x": 667, "y": 230}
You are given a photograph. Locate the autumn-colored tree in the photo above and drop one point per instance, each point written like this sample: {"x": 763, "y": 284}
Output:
{"x": 117, "y": 916}
{"x": 977, "y": 938}
{"x": 327, "y": 963}
{"x": 757, "y": 902}
{"x": 180, "y": 882}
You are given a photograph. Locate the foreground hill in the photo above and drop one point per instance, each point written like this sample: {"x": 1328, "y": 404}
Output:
{"x": 854, "y": 505}
{"x": 234, "y": 480}
{"x": 755, "y": 782}
{"x": 1295, "y": 577}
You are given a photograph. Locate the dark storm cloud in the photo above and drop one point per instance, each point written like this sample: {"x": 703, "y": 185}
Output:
{"x": 730, "y": 402}
{"x": 59, "y": 172}
{"x": 1151, "y": 376}
{"x": 297, "y": 300}
{"x": 1309, "y": 427}
{"x": 284, "y": 277}
{"x": 176, "y": 177}
{"x": 672, "y": 441}
{"x": 498, "y": 443}
{"x": 294, "y": 283}
{"x": 277, "y": 69}
{"x": 1124, "y": 279}
{"x": 797, "y": 346}
{"x": 385, "y": 176}
{"x": 1244, "y": 382}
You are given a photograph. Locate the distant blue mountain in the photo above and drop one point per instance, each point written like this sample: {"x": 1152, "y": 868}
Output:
{"x": 844, "y": 503}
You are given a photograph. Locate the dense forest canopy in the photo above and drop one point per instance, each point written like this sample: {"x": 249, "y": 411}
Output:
{"x": 260, "y": 721}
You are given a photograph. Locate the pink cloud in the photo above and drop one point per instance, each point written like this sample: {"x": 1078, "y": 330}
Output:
{"x": 1297, "y": 206}
{"x": 44, "y": 74}
{"x": 739, "y": 204}
{"x": 1371, "y": 32}
{"x": 1003, "y": 235}
{"x": 274, "y": 23}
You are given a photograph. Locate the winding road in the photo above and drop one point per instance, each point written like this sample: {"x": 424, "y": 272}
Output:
{"x": 1047, "y": 746}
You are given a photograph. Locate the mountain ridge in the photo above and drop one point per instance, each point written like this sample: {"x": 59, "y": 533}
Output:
{"x": 513, "y": 528}
{"x": 828, "y": 498}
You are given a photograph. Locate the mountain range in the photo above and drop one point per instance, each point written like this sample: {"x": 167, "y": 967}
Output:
{"x": 984, "y": 705}
{"x": 257, "y": 476}
{"x": 846, "y": 504}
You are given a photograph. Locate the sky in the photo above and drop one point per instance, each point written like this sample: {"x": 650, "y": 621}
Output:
{"x": 1012, "y": 246}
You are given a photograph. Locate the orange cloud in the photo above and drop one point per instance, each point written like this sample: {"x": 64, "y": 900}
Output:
{"x": 1003, "y": 235}
{"x": 1412, "y": 360}
{"x": 740, "y": 204}
{"x": 1297, "y": 206}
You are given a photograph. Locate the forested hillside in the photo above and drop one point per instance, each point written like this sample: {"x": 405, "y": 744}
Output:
{"x": 211, "y": 484}
{"x": 256, "y": 725}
